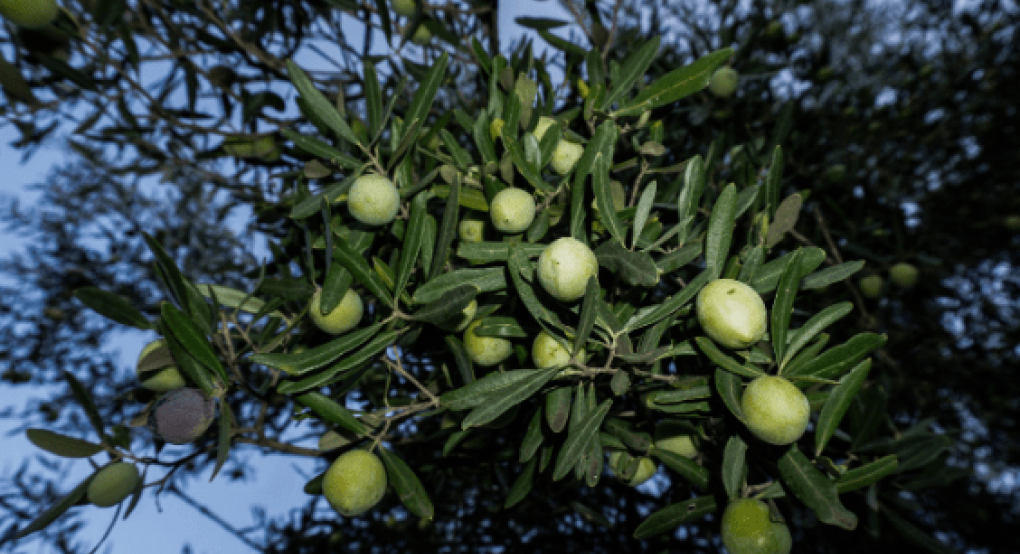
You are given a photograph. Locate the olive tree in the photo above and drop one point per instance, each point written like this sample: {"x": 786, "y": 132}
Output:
{"x": 599, "y": 225}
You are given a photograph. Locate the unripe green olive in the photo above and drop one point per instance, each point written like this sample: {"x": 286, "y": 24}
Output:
{"x": 485, "y": 351}
{"x": 732, "y": 313}
{"x": 182, "y": 415}
{"x": 164, "y": 375}
{"x": 783, "y": 536}
{"x": 112, "y": 484}
{"x": 422, "y": 35}
{"x": 471, "y": 230}
{"x": 646, "y": 467}
{"x": 373, "y": 200}
{"x": 343, "y": 318}
{"x": 775, "y": 30}
{"x": 747, "y": 528}
{"x": 333, "y": 439}
{"x": 355, "y": 482}
{"x": 512, "y": 210}
{"x": 564, "y": 268}
{"x": 31, "y": 14}
{"x": 836, "y": 173}
{"x": 903, "y": 275}
{"x": 724, "y": 82}
{"x": 459, "y": 322}
{"x": 548, "y": 353}
{"x": 775, "y": 410}
{"x": 565, "y": 156}
{"x": 1012, "y": 222}
{"x": 403, "y": 7}
{"x": 675, "y": 439}
{"x": 871, "y": 286}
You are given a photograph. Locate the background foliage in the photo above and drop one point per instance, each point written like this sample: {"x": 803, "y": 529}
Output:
{"x": 912, "y": 101}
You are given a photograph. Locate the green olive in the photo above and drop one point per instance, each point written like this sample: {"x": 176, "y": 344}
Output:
{"x": 355, "y": 482}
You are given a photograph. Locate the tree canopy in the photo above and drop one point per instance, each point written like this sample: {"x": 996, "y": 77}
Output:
{"x": 858, "y": 137}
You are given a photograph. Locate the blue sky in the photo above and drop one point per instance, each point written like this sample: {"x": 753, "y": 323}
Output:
{"x": 276, "y": 482}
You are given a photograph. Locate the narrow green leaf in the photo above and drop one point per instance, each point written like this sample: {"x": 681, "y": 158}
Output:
{"x": 412, "y": 241}
{"x": 785, "y": 220}
{"x": 604, "y": 200}
{"x": 323, "y": 108}
{"x": 766, "y": 279}
{"x": 734, "y": 466}
{"x": 410, "y": 490}
{"x": 461, "y": 359}
{"x": 373, "y": 99}
{"x": 724, "y": 361}
{"x": 671, "y": 305}
{"x": 774, "y": 181}
{"x": 918, "y": 451}
{"x": 85, "y": 400}
{"x": 484, "y": 61}
{"x": 423, "y": 98}
{"x": 838, "y": 403}
{"x": 782, "y": 305}
{"x": 532, "y": 438}
{"x": 334, "y": 288}
{"x": 501, "y": 326}
{"x": 322, "y": 150}
{"x": 112, "y": 307}
{"x": 730, "y": 390}
{"x": 644, "y": 209}
{"x": 830, "y": 275}
{"x": 631, "y": 69}
{"x": 330, "y": 410}
{"x": 314, "y": 358}
{"x": 517, "y": 263}
{"x": 448, "y": 305}
{"x": 687, "y": 468}
{"x": 489, "y": 279}
{"x": 814, "y": 489}
{"x": 696, "y": 392}
{"x": 522, "y": 486}
{"x": 863, "y": 476}
{"x": 172, "y": 274}
{"x": 236, "y": 299}
{"x": 578, "y": 440}
{"x": 62, "y": 445}
{"x": 527, "y": 169}
{"x": 354, "y": 262}
{"x": 586, "y": 319}
{"x": 675, "y": 515}
{"x": 720, "y": 230}
{"x": 474, "y": 394}
{"x": 690, "y": 196}
{"x": 483, "y": 252}
{"x": 751, "y": 264}
{"x": 813, "y": 328}
{"x": 913, "y": 534}
{"x": 558, "y": 407}
{"x": 746, "y": 199}
{"x": 56, "y": 510}
{"x": 189, "y": 366}
{"x": 495, "y": 404}
{"x": 193, "y": 340}
{"x": 634, "y": 268}
{"x": 676, "y": 84}
{"x": 447, "y": 232}
{"x": 839, "y": 359}
{"x": 365, "y": 355}
{"x": 223, "y": 440}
